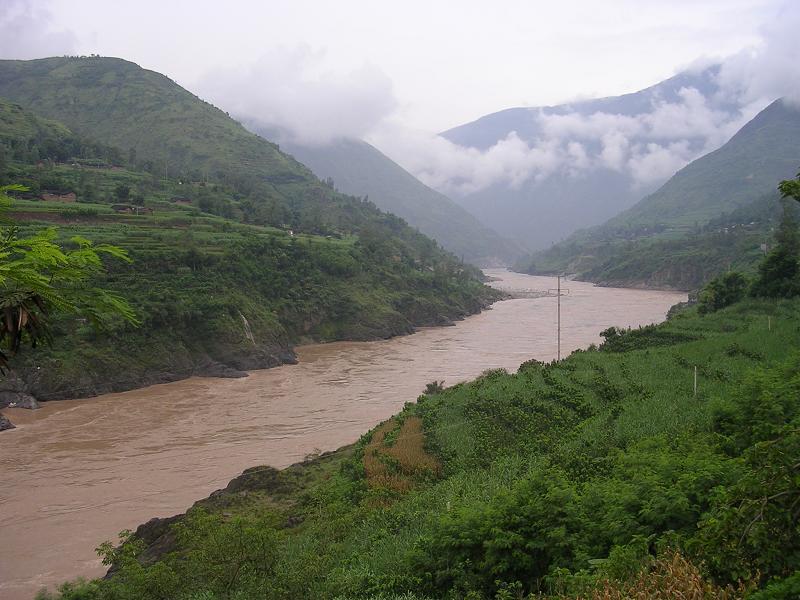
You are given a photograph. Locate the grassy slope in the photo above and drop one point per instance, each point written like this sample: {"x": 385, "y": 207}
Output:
{"x": 119, "y": 103}
{"x": 358, "y": 168}
{"x": 196, "y": 277}
{"x": 664, "y": 240}
{"x": 538, "y": 476}
{"x": 16, "y": 123}
{"x": 683, "y": 260}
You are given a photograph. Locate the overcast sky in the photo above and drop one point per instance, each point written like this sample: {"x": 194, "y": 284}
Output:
{"x": 430, "y": 65}
{"x": 395, "y": 73}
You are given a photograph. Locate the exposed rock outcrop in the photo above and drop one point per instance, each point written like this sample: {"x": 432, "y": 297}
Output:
{"x": 5, "y": 423}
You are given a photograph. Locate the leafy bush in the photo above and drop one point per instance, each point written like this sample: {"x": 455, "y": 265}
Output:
{"x": 722, "y": 291}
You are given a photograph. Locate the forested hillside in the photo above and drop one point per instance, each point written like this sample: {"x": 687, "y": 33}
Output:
{"x": 163, "y": 129}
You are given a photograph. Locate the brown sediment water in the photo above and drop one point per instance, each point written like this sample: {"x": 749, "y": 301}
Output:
{"x": 76, "y": 472}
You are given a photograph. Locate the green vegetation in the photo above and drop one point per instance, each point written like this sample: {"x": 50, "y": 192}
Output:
{"x": 39, "y": 278}
{"x": 606, "y": 475}
{"x": 563, "y": 479}
{"x": 226, "y": 273}
{"x": 662, "y": 464}
{"x": 722, "y": 291}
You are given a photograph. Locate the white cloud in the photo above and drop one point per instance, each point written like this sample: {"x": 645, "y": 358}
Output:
{"x": 770, "y": 69}
{"x": 291, "y": 89}
{"x": 648, "y": 147}
{"x": 650, "y": 163}
{"x": 26, "y": 31}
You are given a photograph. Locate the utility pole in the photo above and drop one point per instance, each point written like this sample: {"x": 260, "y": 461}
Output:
{"x": 558, "y": 292}
{"x": 559, "y": 317}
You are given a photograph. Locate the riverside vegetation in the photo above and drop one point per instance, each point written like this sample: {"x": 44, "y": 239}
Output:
{"x": 605, "y": 475}
{"x": 227, "y": 270}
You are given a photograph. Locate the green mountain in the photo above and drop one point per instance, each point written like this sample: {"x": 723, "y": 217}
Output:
{"x": 20, "y": 126}
{"x": 765, "y": 150}
{"x": 359, "y": 169}
{"x": 165, "y": 129}
{"x": 149, "y": 117}
{"x": 711, "y": 215}
{"x": 227, "y": 273}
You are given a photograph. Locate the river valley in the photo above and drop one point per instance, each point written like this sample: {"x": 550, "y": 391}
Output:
{"x": 76, "y": 472}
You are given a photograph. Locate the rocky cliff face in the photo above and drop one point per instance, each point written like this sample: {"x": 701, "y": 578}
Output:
{"x": 29, "y": 383}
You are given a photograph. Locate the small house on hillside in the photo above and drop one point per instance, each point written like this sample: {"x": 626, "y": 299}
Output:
{"x": 57, "y": 197}
{"x": 181, "y": 200}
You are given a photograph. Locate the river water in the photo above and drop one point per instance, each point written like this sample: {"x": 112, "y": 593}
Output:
{"x": 76, "y": 472}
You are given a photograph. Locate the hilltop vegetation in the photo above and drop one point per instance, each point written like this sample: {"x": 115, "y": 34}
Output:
{"x": 222, "y": 282}
{"x": 162, "y": 129}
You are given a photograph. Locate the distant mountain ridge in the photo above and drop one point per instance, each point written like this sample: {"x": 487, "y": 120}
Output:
{"x": 712, "y": 214}
{"x": 544, "y": 210}
{"x": 485, "y": 131}
{"x": 359, "y": 169}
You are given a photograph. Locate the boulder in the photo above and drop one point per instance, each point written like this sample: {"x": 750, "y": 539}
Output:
{"x": 14, "y": 391}
{"x": 18, "y": 400}
{"x": 5, "y": 423}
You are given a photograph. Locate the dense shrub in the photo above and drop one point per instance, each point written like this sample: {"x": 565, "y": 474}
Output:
{"x": 722, "y": 291}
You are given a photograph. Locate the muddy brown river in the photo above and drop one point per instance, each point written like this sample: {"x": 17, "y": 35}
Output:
{"x": 76, "y": 472}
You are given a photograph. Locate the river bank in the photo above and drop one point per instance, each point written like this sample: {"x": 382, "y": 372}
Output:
{"x": 28, "y": 383}
{"x": 112, "y": 462}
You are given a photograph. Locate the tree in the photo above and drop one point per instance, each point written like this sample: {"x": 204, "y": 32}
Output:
{"x": 39, "y": 278}
{"x": 779, "y": 272}
{"x": 790, "y": 188}
{"x": 722, "y": 291}
{"x": 122, "y": 192}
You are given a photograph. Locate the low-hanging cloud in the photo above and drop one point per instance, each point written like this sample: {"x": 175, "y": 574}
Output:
{"x": 290, "y": 91}
{"x": 648, "y": 147}
{"x": 26, "y": 31}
